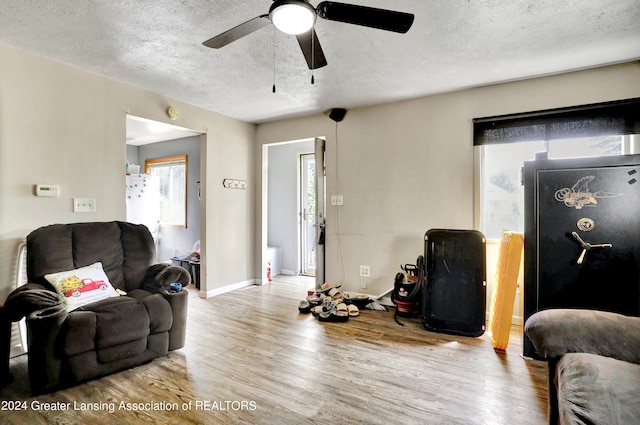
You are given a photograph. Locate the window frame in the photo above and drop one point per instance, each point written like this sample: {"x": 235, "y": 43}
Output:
{"x": 170, "y": 160}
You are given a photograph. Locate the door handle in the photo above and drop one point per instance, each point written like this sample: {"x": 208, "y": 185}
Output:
{"x": 321, "y": 234}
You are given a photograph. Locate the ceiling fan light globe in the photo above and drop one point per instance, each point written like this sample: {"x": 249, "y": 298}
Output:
{"x": 293, "y": 17}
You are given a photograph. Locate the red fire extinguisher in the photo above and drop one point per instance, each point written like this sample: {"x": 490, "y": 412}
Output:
{"x": 269, "y": 278}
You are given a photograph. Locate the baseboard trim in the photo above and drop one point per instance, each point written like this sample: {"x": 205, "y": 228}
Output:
{"x": 230, "y": 288}
{"x": 515, "y": 320}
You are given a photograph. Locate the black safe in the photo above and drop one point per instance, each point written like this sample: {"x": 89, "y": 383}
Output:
{"x": 582, "y": 235}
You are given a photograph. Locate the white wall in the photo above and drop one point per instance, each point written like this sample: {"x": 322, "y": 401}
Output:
{"x": 64, "y": 126}
{"x": 407, "y": 167}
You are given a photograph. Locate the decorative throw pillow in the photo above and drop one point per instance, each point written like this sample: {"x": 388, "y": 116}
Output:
{"x": 82, "y": 286}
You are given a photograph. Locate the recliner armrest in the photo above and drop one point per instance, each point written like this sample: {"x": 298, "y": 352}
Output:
{"x": 45, "y": 363}
{"x": 178, "y": 332}
{"x": 177, "y": 301}
{"x": 559, "y": 331}
{"x": 45, "y": 311}
{"x": 30, "y": 298}
{"x": 160, "y": 276}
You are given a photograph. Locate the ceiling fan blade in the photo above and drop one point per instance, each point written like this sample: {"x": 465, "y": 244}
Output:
{"x": 238, "y": 32}
{"x": 382, "y": 19}
{"x": 314, "y": 55}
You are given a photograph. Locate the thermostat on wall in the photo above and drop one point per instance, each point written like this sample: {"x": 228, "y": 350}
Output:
{"x": 52, "y": 190}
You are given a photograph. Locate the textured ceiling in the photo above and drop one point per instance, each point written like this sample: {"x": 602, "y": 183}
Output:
{"x": 453, "y": 44}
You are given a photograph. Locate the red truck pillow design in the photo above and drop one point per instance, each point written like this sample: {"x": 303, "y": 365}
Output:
{"x": 82, "y": 286}
{"x": 72, "y": 286}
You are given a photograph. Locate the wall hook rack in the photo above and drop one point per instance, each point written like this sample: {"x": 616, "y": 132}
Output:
{"x": 234, "y": 184}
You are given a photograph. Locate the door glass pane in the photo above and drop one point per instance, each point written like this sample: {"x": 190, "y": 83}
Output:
{"x": 308, "y": 208}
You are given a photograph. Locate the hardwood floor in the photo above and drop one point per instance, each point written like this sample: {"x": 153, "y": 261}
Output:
{"x": 252, "y": 358}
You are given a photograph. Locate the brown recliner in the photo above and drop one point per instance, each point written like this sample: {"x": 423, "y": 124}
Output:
{"x": 107, "y": 336}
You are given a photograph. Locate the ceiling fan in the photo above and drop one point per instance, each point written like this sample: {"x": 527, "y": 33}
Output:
{"x": 297, "y": 17}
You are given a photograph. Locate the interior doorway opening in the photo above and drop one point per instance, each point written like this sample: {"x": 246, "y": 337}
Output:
{"x": 291, "y": 209}
{"x": 151, "y": 142}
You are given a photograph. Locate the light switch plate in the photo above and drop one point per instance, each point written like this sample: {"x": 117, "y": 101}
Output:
{"x": 84, "y": 204}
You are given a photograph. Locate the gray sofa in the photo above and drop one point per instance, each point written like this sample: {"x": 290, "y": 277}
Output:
{"x": 66, "y": 346}
{"x": 593, "y": 364}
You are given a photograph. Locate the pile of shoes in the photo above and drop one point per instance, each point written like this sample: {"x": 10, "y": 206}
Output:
{"x": 327, "y": 304}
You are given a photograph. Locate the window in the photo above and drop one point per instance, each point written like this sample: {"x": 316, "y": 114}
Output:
{"x": 502, "y": 194}
{"x": 172, "y": 176}
{"x": 507, "y": 141}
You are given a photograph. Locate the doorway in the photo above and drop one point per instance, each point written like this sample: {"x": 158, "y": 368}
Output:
{"x": 149, "y": 141}
{"x": 292, "y": 213}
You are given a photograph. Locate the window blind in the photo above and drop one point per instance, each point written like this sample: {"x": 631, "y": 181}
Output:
{"x": 598, "y": 119}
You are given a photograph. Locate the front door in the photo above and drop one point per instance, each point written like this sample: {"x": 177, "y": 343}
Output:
{"x": 320, "y": 179}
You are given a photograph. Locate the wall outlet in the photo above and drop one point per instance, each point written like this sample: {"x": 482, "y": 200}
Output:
{"x": 337, "y": 200}
{"x": 84, "y": 204}
{"x": 363, "y": 282}
{"x": 365, "y": 271}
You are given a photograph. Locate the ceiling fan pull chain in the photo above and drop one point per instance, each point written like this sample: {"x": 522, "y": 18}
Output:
{"x": 273, "y": 89}
{"x": 313, "y": 33}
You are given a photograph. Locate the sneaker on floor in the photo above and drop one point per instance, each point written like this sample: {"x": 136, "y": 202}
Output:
{"x": 304, "y": 306}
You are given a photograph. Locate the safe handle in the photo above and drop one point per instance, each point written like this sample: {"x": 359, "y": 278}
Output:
{"x": 587, "y": 246}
